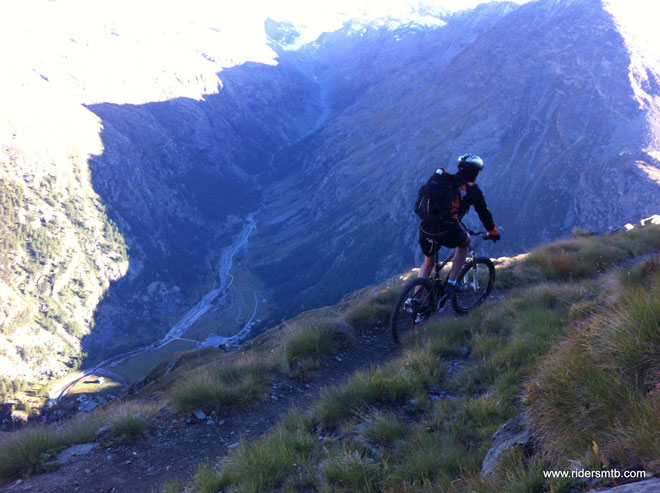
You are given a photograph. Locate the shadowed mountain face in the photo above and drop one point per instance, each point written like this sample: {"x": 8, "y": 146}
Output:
{"x": 179, "y": 177}
{"x": 327, "y": 149}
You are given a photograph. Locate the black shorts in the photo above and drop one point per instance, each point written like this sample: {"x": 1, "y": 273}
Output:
{"x": 451, "y": 237}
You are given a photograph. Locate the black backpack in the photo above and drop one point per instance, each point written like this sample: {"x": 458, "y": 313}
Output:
{"x": 435, "y": 197}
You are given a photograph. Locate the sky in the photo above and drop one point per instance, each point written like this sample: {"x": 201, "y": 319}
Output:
{"x": 316, "y": 15}
{"x": 133, "y": 51}
{"x": 322, "y": 16}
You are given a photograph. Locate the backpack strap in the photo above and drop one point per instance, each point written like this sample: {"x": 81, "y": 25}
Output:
{"x": 456, "y": 202}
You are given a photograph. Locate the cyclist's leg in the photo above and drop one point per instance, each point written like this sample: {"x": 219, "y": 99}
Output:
{"x": 459, "y": 258}
{"x": 427, "y": 266}
{"x": 430, "y": 251}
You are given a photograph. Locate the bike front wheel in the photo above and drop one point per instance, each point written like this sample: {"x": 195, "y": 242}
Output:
{"x": 412, "y": 307}
{"x": 476, "y": 281}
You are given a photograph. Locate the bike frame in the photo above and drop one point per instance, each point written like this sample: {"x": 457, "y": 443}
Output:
{"x": 438, "y": 284}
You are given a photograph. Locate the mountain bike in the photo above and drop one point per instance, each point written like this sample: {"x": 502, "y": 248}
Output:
{"x": 421, "y": 297}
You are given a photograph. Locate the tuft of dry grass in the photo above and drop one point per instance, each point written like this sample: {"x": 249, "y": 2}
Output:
{"x": 350, "y": 470}
{"x": 236, "y": 386}
{"x": 284, "y": 454}
{"x": 375, "y": 308}
{"x": 586, "y": 256}
{"x": 385, "y": 428}
{"x": 308, "y": 342}
{"x": 601, "y": 385}
{"x": 380, "y": 385}
{"x": 129, "y": 420}
{"x": 208, "y": 479}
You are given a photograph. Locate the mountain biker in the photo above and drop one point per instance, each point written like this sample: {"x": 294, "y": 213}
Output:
{"x": 447, "y": 230}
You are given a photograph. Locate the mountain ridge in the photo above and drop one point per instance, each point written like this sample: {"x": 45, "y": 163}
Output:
{"x": 374, "y": 149}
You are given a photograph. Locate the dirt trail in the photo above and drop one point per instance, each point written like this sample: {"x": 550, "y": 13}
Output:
{"x": 174, "y": 447}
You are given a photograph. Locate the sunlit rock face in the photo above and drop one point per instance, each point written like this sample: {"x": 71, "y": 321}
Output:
{"x": 128, "y": 151}
{"x": 131, "y": 154}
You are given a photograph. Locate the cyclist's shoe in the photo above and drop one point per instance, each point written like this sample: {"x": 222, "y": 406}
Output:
{"x": 455, "y": 288}
{"x": 412, "y": 305}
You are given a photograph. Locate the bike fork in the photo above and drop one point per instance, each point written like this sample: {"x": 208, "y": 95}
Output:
{"x": 475, "y": 273}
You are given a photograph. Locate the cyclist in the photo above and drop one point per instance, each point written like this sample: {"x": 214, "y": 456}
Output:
{"x": 447, "y": 230}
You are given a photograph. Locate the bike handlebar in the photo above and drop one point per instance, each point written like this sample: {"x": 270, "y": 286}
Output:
{"x": 484, "y": 235}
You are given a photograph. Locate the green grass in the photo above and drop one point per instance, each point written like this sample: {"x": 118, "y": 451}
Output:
{"x": 175, "y": 486}
{"x": 507, "y": 340}
{"x": 582, "y": 256}
{"x": 22, "y": 454}
{"x": 385, "y": 429}
{"x": 427, "y": 458}
{"x": 306, "y": 345}
{"x": 222, "y": 387}
{"x": 579, "y": 354}
{"x": 407, "y": 442}
{"x": 140, "y": 365}
{"x": 374, "y": 309}
{"x": 447, "y": 337}
{"x": 391, "y": 384}
{"x": 130, "y": 421}
{"x": 586, "y": 256}
{"x": 285, "y": 453}
{"x": 108, "y": 387}
{"x": 209, "y": 480}
{"x": 350, "y": 470}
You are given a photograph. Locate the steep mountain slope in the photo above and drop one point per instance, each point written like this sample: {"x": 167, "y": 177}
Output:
{"x": 328, "y": 401}
{"x": 58, "y": 254}
{"x": 137, "y": 154}
{"x": 172, "y": 172}
{"x": 179, "y": 177}
{"x": 544, "y": 92}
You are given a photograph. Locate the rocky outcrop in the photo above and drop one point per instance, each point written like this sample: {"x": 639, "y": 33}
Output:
{"x": 512, "y": 434}
{"x": 58, "y": 254}
{"x": 67, "y": 454}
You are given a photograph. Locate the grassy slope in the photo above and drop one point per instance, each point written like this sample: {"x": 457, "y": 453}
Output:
{"x": 384, "y": 430}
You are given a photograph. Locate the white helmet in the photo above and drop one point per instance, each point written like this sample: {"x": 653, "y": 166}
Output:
{"x": 470, "y": 162}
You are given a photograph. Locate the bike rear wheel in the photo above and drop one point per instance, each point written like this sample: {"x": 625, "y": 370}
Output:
{"x": 476, "y": 278}
{"x": 413, "y": 306}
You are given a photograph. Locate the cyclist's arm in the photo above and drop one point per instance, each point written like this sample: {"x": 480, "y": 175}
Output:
{"x": 482, "y": 210}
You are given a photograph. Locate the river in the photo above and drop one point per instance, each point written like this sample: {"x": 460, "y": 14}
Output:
{"x": 222, "y": 283}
